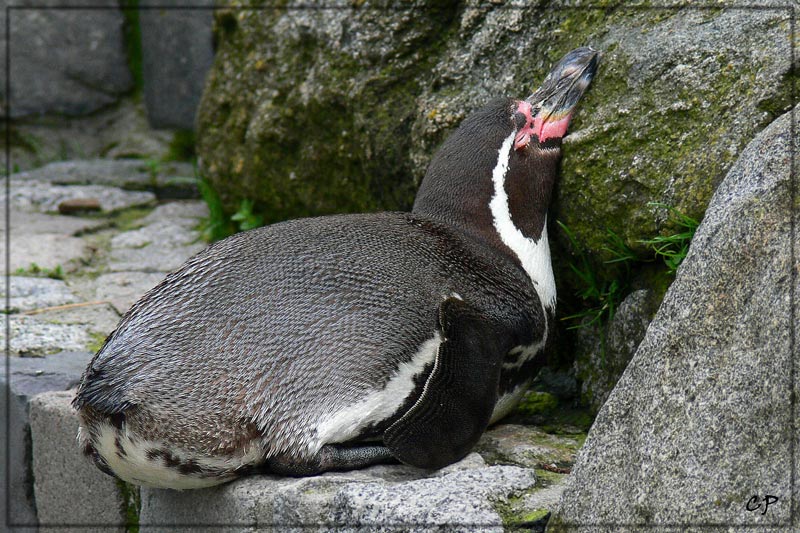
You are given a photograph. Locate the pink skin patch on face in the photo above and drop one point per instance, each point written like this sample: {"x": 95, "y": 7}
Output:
{"x": 523, "y": 137}
{"x": 553, "y": 127}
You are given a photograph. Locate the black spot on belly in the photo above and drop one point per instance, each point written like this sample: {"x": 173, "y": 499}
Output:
{"x": 186, "y": 467}
{"x": 512, "y": 357}
{"x": 190, "y": 467}
{"x": 120, "y": 450}
{"x": 170, "y": 460}
{"x": 374, "y": 431}
{"x": 509, "y": 380}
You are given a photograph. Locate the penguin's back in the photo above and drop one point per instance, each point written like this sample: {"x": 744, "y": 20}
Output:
{"x": 296, "y": 334}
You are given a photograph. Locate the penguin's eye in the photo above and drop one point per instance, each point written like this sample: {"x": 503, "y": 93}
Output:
{"x": 519, "y": 120}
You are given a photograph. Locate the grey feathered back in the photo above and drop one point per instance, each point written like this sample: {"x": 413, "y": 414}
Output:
{"x": 281, "y": 326}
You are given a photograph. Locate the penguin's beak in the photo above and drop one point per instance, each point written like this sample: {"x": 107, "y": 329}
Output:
{"x": 554, "y": 102}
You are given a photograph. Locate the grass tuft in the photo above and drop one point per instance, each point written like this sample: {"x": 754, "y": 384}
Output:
{"x": 673, "y": 248}
{"x": 217, "y": 226}
{"x": 246, "y": 218}
{"x": 35, "y": 270}
{"x": 600, "y": 297}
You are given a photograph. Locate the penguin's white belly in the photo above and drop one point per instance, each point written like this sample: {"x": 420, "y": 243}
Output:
{"x": 158, "y": 464}
{"x": 345, "y": 423}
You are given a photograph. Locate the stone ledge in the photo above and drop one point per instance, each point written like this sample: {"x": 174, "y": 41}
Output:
{"x": 69, "y": 490}
{"x": 461, "y": 497}
{"x": 28, "y": 377}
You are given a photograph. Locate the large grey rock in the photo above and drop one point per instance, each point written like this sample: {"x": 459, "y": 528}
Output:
{"x": 71, "y": 493}
{"x": 26, "y": 378}
{"x": 701, "y": 420}
{"x": 606, "y": 353}
{"x": 461, "y": 497}
{"x": 66, "y": 61}
{"x": 177, "y": 53}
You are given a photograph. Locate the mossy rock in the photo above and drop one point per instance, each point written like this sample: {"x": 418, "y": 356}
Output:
{"x": 317, "y": 111}
{"x": 309, "y": 112}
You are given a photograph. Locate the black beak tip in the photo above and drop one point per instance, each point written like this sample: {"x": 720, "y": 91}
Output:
{"x": 584, "y": 59}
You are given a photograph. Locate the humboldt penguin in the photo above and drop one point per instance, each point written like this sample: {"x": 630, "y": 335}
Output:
{"x": 338, "y": 342}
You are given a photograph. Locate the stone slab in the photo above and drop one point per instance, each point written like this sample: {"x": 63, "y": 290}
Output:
{"x": 167, "y": 240}
{"x": 99, "y": 318}
{"x": 177, "y": 53}
{"x": 167, "y": 179}
{"x": 186, "y": 214}
{"x": 161, "y": 248}
{"x": 32, "y": 336}
{"x": 29, "y": 293}
{"x": 43, "y": 196}
{"x": 47, "y": 240}
{"x": 120, "y": 289}
{"x": 71, "y": 493}
{"x": 528, "y": 446}
{"x": 461, "y": 497}
{"x": 28, "y": 377}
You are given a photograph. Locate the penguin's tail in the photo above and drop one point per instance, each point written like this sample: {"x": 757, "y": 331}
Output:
{"x": 116, "y": 449}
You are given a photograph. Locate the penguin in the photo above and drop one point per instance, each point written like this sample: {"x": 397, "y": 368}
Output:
{"x": 339, "y": 342}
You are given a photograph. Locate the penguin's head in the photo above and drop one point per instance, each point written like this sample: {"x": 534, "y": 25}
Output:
{"x": 502, "y": 161}
{"x": 545, "y": 115}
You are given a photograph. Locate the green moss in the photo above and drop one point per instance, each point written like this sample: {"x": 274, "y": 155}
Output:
{"x": 181, "y": 146}
{"x": 35, "y": 270}
{"x": 21, "y": 139}
{"x": 543, "y": 410}
{"x": 97, "y": 340}
{"x": 537, "y": 403}
{"x": 513, "y": 513}
{"x": 341, "y": 149}
{"x": 129, "y": 219}
{"x": 782, "y": 101}
{"x": 533, "y": 516}
{"x": 133, "y": 43}
{"x": 546, "y": 478}
{"x": 131, "y": 505}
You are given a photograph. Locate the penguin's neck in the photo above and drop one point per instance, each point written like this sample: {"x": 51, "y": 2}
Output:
{"x": 501, "y": 200}
{"x": 523, "y": 186}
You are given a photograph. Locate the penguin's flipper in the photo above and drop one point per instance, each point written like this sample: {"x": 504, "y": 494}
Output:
{"x": 331, "y": 458}
{"x": 459, "y": 395}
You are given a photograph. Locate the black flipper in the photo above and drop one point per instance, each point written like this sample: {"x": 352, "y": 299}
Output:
{"x": 329, "y": 459}
{"x": 459, "y": 395}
